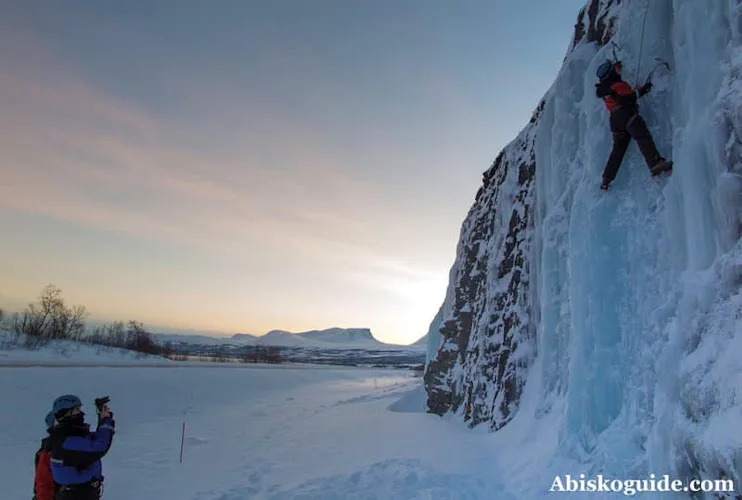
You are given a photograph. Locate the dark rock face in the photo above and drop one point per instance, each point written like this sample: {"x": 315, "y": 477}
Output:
{"x": 594, "y": 23}
{"x": 488, "y": 334}
{"x": 480, "y": 365}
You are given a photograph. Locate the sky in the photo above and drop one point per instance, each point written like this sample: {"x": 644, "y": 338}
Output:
{"x": 241, "y": 166}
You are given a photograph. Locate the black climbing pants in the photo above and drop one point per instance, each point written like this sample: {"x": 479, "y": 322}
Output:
{"x": 89, "y": 491}
{"x": 626, "y": 124}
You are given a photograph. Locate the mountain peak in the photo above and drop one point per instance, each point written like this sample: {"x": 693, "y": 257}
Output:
{"x": 334, "y": 334}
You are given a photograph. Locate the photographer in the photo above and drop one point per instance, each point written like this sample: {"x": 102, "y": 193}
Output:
{"x": 77, "y": 452}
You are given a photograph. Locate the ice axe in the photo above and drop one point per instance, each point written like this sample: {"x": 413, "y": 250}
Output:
{"x": 659, "y": 63}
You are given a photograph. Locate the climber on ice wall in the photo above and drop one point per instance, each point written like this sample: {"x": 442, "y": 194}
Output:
{"x": 621, "y": 100}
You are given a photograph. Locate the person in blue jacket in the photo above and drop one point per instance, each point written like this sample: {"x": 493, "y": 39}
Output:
{"x": 77, "y": 452}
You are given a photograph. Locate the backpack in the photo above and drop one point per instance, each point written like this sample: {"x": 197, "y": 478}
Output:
{"x": 45, "y": 448}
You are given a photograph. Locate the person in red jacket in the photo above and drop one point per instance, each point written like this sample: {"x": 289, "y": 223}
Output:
{"x": 621, "y": 100}
{"x": 44, "y": 486}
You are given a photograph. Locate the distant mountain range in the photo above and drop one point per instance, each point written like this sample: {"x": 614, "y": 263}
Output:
{"x": 331, "y": 338}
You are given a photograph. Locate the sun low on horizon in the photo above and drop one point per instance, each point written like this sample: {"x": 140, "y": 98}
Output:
{"x": 239, "y": 167}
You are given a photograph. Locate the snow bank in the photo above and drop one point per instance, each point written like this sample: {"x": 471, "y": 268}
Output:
{"x": 68, "y": 352}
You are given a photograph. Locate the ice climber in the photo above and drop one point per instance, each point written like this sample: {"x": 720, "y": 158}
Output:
{"x": 77, "y": 452}
{"x": 622, "y": 103}
{"x": 43, "y": 487}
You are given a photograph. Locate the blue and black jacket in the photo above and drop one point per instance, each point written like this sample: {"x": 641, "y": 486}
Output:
{"x": 76, "y": 452}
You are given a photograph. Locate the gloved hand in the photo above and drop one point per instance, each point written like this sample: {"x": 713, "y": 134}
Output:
{"x": 644, "y": 89}
{"x": 105, "y": 414}
{"x": 108, "y": 422}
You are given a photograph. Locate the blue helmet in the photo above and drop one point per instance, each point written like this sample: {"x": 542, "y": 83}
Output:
{"x": 49, "y": 419}
{"x": 66, "y": 402}
{"x": 604, "y": 70}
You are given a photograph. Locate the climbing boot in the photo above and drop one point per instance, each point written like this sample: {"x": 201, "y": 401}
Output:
{"x": 661, "y": 166}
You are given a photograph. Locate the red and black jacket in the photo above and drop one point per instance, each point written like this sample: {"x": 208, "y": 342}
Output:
{"x": 616, "y": 93}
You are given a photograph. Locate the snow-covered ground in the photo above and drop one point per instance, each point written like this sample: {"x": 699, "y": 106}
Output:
{"x": 282, "y": 433}
{"x": 288, "y": 433}
{"x": 67, "y": 352}
{"x": 254, "y": 433}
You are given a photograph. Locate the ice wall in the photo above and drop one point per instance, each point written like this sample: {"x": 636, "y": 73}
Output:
{"x": 629, "y": 304}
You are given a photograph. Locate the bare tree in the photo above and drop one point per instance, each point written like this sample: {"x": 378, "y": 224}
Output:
{"x": 222, "y": 355}
{"x": 68, "y": 323}
{"x": 6, "y": 341}
{"x": 272, "y": 354}
{"x": 116, "y": 334}
{"x": 14, "y": 331}
{"x": 261, "y": 354}
{"x": 50, "y": 319}
{"x": 39, "y": 316}
{"x": 168, "y": 350}
{"x": 140, "y": 340}
{"x": 109, "y": 335}
{"x": 178, "y": 354}
{"x": 252, "y": 354}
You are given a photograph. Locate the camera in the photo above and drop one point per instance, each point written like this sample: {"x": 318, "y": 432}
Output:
{"x": 101, "y": 402}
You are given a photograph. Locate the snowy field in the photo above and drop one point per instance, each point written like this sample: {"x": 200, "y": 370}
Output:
{"x": 253, "y": 433}
{"x": 288, "y": 433}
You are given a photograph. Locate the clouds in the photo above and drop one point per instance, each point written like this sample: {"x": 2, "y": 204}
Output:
{"x": 73, "y": 153}
{"x": 311, "y": 164}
